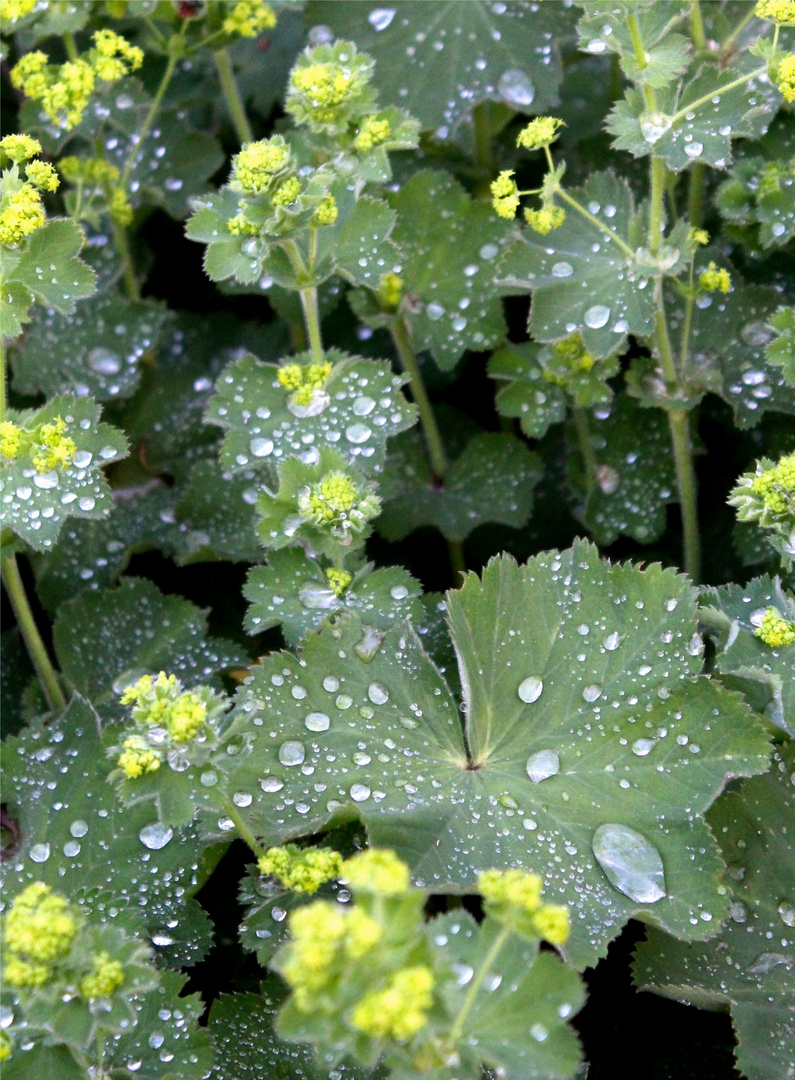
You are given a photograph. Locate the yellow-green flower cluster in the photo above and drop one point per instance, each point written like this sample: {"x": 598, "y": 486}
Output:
{"x": 21, "y": 213}
{"x": 11, "y": 10}
{"x": 785, "y": 77}
{"x": 378, "y": 871}
{"x": 137, "y": 758}
{"x": 715, "y": 279}
{"x": 774, "y": 630}
{"x": 400, "y": 1010}
{"x": 303, "y": 870}
{"x": 372, "y": 132}
{"x": 10, "y": 439}
{"x": 248, "y": 18}
{"x": 106, "y": 975}
{"x": 514, "y": 897}
{"x": 287, "y": 192}
{"x": 6, "y": 1046}
{"x": 304, "y": 382}
{"x": 20, "y": 147}
{"x": 505, "y": 195}
{"x": 39, "y": 929}
{"x": 64, "y": 90}
{"x": 21, "y": 207}
{"x": 569, "y": 357}
{"x": 100, "y": 176}
{"x": 776, "y": 486}
{"x": 339, "y": 580}
{"x": 336, "y": 502}
{"x": 778, "y": 11}
{"x": 56, "y": 450}
{"x": 324, "y": 939}
{"x": 258, "y": 162}
{"x": 321, "y": 89}
{"x": 161, "y": 702}
{"x": 328, "y": 87}
{"x": 539, "y": 133}
{"x": 390, "y": 291}
{"x": 546, "y": 219}
{"x": 326, "y": 212}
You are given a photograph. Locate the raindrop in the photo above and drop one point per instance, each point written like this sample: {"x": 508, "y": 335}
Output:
{"x": 381, "y": 18}
{"x": 358, "y": 433}
{"x": 47, "y": 481}
{"x": 40, "y": 852}
{"x": 242, "y": 798}
{"x": 434, "y": 311}
{"x": 592, "y": 692}
{"x": 694, "y": 149}
{"x": 363, "y": 406}
{"x": 642, "y": 747}
{"x": 86, "y": 503}
{"x": 611, "y": 642}
{"x": 398, "y": 592}
{"x": 542, "y": 765}
{"x": 488, "y": 251}
{"x": 632, "y": 864}
{"x": 314, "y": 596}
{"x": 360, "y": 792}
{"x": 71, "y": 848}
{"x": 78, "y": 828}
{"x": 162, "y": 939}
{"x": 530, "y": 689}
{"x": 209, "y": 778}
{"x": 317, "y": 721}
{"x": 331, "y": 684}
{"x": 786, "y": 910}
{"x": 562, "y": 269}
{"x": 654, "y": 125}
{"x": 515, "y": 87}
{"x": 82, "y": 459}
{"x": 597, "y": 316}
{"x": 377, "y": 693}
{"x": 292, "y": 752}
{"x": 104, "y": 362}
{"x": 271, "y": 784}
{"x": 155, "y": 836}
{"x": 738, "y": 911}
{"x": 261, "y": 447}
{"x": 765, "y": 963}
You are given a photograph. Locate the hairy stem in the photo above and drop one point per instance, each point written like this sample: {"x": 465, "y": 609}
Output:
{"x": 430, "y": 429}
{"x": 656, "y": 209}
{"x": 12, "y": 580}
{"x": 245, "y": 833}
{"x": 70, "y": 45}
{"x": 595, "y": 221}
{"x": 498, "y": 944}
{"x": 157, "y": 101}
{"x": 121, "y": 241}
{"x": 234, "y": 102}
{"x": 695, "y": 193}
{"x": 688, "y": 496}
{"x": 697, "y": 26}
{"x": 312, "y": 320}
{"x": 585, "y": 444}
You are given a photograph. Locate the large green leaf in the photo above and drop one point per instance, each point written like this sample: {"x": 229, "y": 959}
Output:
{"x": 781, "y": 350}
{"x": 440, "y": 58}
{"x": 35, "y": 504}
{"x": 492, "y": 479}
{"x": 216, "y": 515}
{"x": 605, "y": 28}
{"x": 449, "y": 245}
{"x": 589, "y": 755}
{"x": 761, "y": 190}
{"x": 580, "y": 278}
{"x": 360, "y": 407}
{"x": 98, "y": 348}
{"x": 75, "y": 835}
{"x": 749, "y": 965}
{"x": 766, "y": 675}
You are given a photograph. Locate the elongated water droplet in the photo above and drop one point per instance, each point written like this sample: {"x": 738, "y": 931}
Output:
{"x": 155, "y": 836}
{"x": 271, "y": 784}
{"x": 632, "y": 864}
{"x": 380, "y": 18}
{"x": 786, "y": 910}
{"x": 597, "y": 316}
{"x": 642, "y": 747}
{"x": 530, "y": 689}
{"x": 542, "y": 765}
{"x": 765, "y": 962}
{"x": 611, "y": 641}
{"x": 377, "y": 693}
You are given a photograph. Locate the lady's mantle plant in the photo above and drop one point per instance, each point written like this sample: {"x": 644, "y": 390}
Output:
{"x": 447, "y": 806}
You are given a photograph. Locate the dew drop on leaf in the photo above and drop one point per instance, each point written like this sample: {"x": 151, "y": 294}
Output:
{"x": 633, "y": 864}
{"x": 155, "y": 836}
{"x": 542, "y": 765}
{"x": 530, "y": 689}
{"x": 292, "y": 752}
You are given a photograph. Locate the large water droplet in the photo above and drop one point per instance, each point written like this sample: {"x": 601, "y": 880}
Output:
{"x": 360, "y": 792}
{"x": 378, "y": 694}
{"x": 261, "y": 447}
{"x": 562, "y": 269}
{"x": 530, "y": 689}
{"x": 642, "y": 747}
{"x": 632, "y": 864}
{"x": 592, "y": 692}
{"x": 542, "y": 765}
{"x": 380, "y": 18}
{"x": 271, "y": 784}
{"x": 317, "y": 721}
{"x": 786, "y": 910}
{"x": 155, "y": 836}
{"x": 694, "y": 149}
{"x": 104, "y": 362}
{"x": 597, "y": 316}
{"x": 654, "y": 125}
{"x": 292, "y": 752}
{"x": 40, "y": 852}
{"x": 358, "y": 434}
{"x": 611, "y": 641}
{"x": 515, "y": 87}
{"x": 317, "y": 597}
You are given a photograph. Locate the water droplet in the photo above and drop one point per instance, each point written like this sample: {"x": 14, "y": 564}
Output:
{"x": 515, "y": 87}
{"x": 292, "y": 752}
{"x": 378, "y": 694}
{"x": 611, "y": 641}
{"x": 654, "y": 125}
{"x": 786, "y": 910}
{"x": 155, "y": 836}
{"x": 104, "y": 362}
{"x": 46, "y": 481}
{"x": 209, "y": 778}
{"x": 261, "y": 447}
{"x": 756, "y": 333}
{"x": 363, "y": 406}
{"x": 562, "y": 269}
{"x": 343, "y": 701}
{"x": 331, "y": 684}
{"x": 592, "y": 692}
{"x": 86, "y": 503}
{"x": 434, "y": 311}
{"x": 78, "y": 828}
{"x": 40, "y": 852}
{"x": 242, "y": 798}
{"x": 597, "y": 316}
{"x": 765, "y": 963}
{"x": 317, "y": 721}
{"x": 542, "y": 765}
{"x": 488, "y": 251}
{"x": 82, "y": 459}
{"x": 530, "y": 689}
{"x": 317, "y": 597}
{"x": 360, "y": 792}
{"x": 398, "y": 592}
{"x": 642, "y": 747}
{"x": 632, "y": 864}
{"x": 738, "y": 911}
{"x": 358, "y": 434}
{"x": 71, "y": 848}
{"x": 271, "y": 784}
{"x": 694, "y": 149}
{"x": 380, "y": 18}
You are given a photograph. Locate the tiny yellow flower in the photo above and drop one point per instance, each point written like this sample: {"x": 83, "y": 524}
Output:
{"x": 10, "y": 439}
{"x": 40, "y": 924}
{"x": 571, "y": 352}
{"x": 291, "y": 376}
{"x": 377, "y": 870}
{"x": 186, "y": 717}
{"x": 399, "y": 1011}
{"x": 24, "y": 974}
{"x": 287, "y": 192}
{"x": 131, "y": 693}
{"x": 120, "y": 208}
{"x": 505, "y": 195}
{"x": 330, "y": 498}
{"x": 715, "y": 279}
{"x": 699, "y": 236}
{"x": 6, "y": 1046}
{"x": 373, "y": 132}
{"x": 552, "y": 923}
{"x": 106, "y": 975}
{"x": 304, "y": 870}
{"x": 256, "y": 164}
{"x": 249, "y": 18}
{"x": 511, "y": 888}
{"x": 390, "y": 291}
{"x": 20, "y": 147}
{"x": 57, "y": 450}
{"x": 42, "y": 175}
{"x": 361, "y": 933}
{"x": 774, "y": 630}
{"x": 785, "y": 77}
{"x": 778, "y": 11}
{"x": 325, "y": 86}
{"x": 326, "y": 212}
{"x": 11, "y": 10}
{"x": 539, "y": 132}
{"x": 339, "y": 580}
{"x": 22, "y": 213}
{"x": 137, "y": 758}
{"x": 239, "y": 225}
{"x": 546, "y": 219}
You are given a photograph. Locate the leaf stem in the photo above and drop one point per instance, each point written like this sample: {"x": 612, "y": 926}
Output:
{"x": 234, "y": 101}
{"x": 697, "y": 26}
{"x": 2, "y": 380}
{"x": 696, "y": 192}
{"x": 656, "y": 209}
{"x": 585, "y": 444}
{"x": 595, "y": 221}
{"x": 496, "y": 948}
{"x": 137, "y": 140}
{"x": 693, "y": 105}
{"x": 15, "y": 588}
{"x": 312, "y": 320}
{"x": 728, "y": 42}
{"x": 121, "y": 241}
{"x": 245, "y": 833}
{"x": 679, "y": 422}
{"x": 70, "y": 45}
{"x": 430, "y": 428}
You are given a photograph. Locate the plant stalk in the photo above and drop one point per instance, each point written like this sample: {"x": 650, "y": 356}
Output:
{"x": 697, "y": 26}
{"x": 585, "y": 444}
{"x": 121, "y": 241}
{"x": 686, "y": 483}
{"x": 497, "y": 945}
{"x": 157, "y": 101}
{"x": 430, "y": 428}
{"x": 312, "y": 320}
{"x": 245, "y": 833}
{"x": 695, "y": 193}
{"x": 234, "y": 101}
{"x": 15, "y": 588}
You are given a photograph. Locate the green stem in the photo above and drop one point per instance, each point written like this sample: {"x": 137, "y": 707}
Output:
{"x": 677, "y": 116}
{"x": 481, "y": 146}
{"x": 245, "y": 833}
{"x": 430, "y": 429}
{"x": 726, "y": 45}
{"x": 173, "y": 58}
{"x": 70, "y": 45}
{"x": 458, "y": 563}
{"x": 234, "y": 102}
{"x": 657, "y": 204}
{"x": 686, "y": 483}
{"x": 595, "y": 221}
{"x": 312, "y": 320}
{"x": 2, "y": 381}
{"x": 664, "y": 350}
{"x": 122, "y": 243}
{"x": 585, "y": 444}
{"x": 687, "y": 322}
{"x": 695, "y": 193}
{"x": 30, "y": 634}
{"x": 697, "y": 26}
{"x": 474, "y": 988}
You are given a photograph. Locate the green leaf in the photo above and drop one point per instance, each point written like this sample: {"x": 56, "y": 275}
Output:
{"x": 115, "y": 860}
{"x": 439, "y": 60}
{"x": 108, "y": 640}
{"x": 698, "y": 122}
{"x": 42, "y": 1060}
{"x": 357, "y": 245}
{"x": 263, "y": 85}
{"x": 492, "y": 479}
{"x": 292, "y": 591}
{"x": 635, "y": 478}
{"x": 167, "y": 1040}
{"x": 217, "y": 516}
{"x": 581, "y": 279}
{"x": 625, "y": 738}
{"x": 360, "y": 407}
{"x": 766, "y": 675}
{"x": 98, "y": 348}
{"x": 781, "y": 351}
{"x": 15, "y": 303}
{"x": 748, "y": 966}
{"x": 35, "y": 504}
{"x": 449, "y": 244}
{"x": 49, "y": 268}
{"x": 17, "y": 674}
{"x": 667, "y": 55}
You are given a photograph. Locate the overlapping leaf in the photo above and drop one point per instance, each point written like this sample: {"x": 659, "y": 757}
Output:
{"x": 35, "y": 504}
{"x": 749, "y": 965}
{"x": 781, "y": 350}
{"x": 361, "y": 407}
{"x": 605, "y": 28}
{"x": 582, "y": 714}
{"x": 440, "y": 59}
{"x": 580, "y": 278}
{"x": 761, "y": 190}
{"x": 766, "y": 675}
{"x": 216, "y": 515}
{"x": 492, "y": 479}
